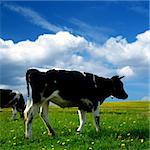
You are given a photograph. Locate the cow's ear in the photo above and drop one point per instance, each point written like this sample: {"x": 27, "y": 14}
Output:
{"x": 115, "y": 77}
{"x": 121, "y": 77}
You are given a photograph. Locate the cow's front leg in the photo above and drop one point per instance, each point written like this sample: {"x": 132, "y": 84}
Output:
{"x": 82, "y": 119}
{"x": 14, "y": 112}
{"x": 96, "y": 118}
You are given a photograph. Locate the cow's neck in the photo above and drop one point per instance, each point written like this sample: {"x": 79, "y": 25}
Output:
{"x": 104, "y": 88}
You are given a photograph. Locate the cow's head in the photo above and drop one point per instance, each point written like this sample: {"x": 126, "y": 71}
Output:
{"x": 117, "y": 88}
{"x": 17, "y": 100}
{"x": 21, "y": 105}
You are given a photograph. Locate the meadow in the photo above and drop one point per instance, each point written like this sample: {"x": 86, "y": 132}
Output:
{"x": 124, "y": 125}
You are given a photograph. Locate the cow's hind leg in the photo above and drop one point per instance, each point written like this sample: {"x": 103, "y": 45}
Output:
{"x": 29, "y": 113}
{"x": 44, "y": 116}
{"x": 82, "y": 119}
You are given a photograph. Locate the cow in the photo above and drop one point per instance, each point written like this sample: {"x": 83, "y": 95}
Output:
{"x": 14, "y": 99}
{"x": 68, "y": 89}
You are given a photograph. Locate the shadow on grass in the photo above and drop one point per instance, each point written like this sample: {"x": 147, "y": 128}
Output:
{"x": 114, "y": 112}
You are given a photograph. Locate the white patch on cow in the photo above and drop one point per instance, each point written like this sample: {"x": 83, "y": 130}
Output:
{"x": 28, "y": 106}
{"x": 28, "y": 118}
{"x": 58, "y": 100}
{"x": 83, "y": 73}
{"x": 28, "y": 102}
{"x": 17, "y": 96}
{"x": 94, "y": 80}
{"x": 82, "y": 120}
{"x": 111, "y": 96}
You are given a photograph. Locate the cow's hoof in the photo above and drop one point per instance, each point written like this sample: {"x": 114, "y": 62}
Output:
{"x": 27, "y": 137}
{"x": 98, "y": 130}
{"x": 78, "y": 132}
{"x": 51, "y": 134}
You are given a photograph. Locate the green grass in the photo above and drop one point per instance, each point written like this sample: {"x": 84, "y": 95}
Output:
{"x": 124, "y": 125}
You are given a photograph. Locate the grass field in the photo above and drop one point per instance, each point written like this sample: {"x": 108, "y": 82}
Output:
{"x": 124, "y": 125}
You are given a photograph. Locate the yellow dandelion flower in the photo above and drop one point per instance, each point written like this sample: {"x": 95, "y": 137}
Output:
{"x": 52, "y": 145}
{"x": 123, "y": 145}
{"x": 119, "y": 136}
{"x": 68, "y": 140}
{"x": 52, "y": 148}
{"x": 63, "y": 143}
{"x": 128, "y": 134}
{"x": 12, "y": 130}
{"x": 92, "y": 143}
{"x": 142, "y": 140}
{"x": 14, "y": 144}
{"x": 44, "y": 132}
{"x": 58, "y": 142}
{"x": 90, "y": 124}
{"x": 69, "y": 130}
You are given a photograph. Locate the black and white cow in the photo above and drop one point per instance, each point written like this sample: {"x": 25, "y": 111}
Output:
{"x": 14, "y": 99}
{"x": 68, "y": 89}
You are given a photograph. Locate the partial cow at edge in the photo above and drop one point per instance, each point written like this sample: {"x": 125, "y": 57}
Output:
{"x": 13, "y": 99}
{"x": 68, "y": 89}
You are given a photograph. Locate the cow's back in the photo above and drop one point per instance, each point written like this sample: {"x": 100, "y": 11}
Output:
{"x": 72, "y": 85}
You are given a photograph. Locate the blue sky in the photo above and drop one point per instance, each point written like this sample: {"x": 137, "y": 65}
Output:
{"x": 105, "y": 38}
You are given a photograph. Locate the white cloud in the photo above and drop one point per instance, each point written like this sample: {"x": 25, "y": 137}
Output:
{"x": 120, "y": 53}
{"x": 47, "y": 47}
{"x": 67, "y": 51}
{"x": 125, "y": 71}
{"x": 146, "y": 97}
{"x": 33, "y": 17}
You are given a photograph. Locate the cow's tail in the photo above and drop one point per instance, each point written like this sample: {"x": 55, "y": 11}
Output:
{"x": 28, "y": 88}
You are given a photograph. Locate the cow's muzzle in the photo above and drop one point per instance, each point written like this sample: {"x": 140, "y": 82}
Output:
{"x": 125, "y": 96}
